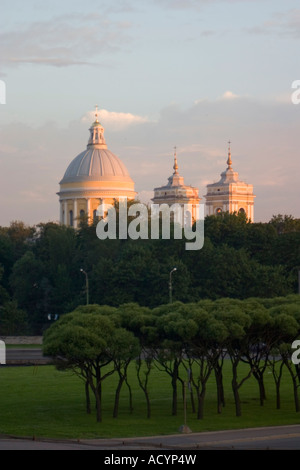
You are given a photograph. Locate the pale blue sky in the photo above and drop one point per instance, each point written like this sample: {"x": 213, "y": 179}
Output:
{"x": 191, "y": 73}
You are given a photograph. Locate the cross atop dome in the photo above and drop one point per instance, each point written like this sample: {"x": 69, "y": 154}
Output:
{"x": 229, "y": 161}
{"x": 175, "y": 167}
{"x": 96, "y": 113}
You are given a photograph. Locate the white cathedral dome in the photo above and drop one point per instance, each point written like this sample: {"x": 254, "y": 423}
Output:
{"x": 96, "y": 163}
{"x": 95, "y": 176}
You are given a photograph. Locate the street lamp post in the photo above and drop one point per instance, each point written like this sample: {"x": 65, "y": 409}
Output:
{"x": 87, "y": 285}
{"x": 170, "y": 284}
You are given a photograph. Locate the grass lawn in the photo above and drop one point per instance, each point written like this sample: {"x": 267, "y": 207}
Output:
{"x": 43, "y": 402}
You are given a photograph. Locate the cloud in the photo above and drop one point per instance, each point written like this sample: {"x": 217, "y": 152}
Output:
{"x": 196, "y": 4}
{"x": 114, "y": 120}
{"x": 226, "y": 96}
{"x": 229, "y": 95}
{"x": 51, "y": 61}
{"x": 63, "y": 41}
{"x": 284, "y": 23}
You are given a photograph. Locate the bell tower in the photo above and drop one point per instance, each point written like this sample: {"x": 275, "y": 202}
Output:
{"x": 230, "y": 194}
{"x": 176, "y": 192}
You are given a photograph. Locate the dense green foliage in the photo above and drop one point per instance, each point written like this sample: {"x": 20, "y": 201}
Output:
{"x": 40, "y": 266}
{"x": 188, "y": 342}
{"x": 235, "y": 308}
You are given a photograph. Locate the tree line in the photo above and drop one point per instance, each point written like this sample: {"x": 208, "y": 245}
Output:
{"x": 181, "y": 340}
{"x": 41, "y": 277}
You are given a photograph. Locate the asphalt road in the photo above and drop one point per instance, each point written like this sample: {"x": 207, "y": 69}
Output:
{"x": 17, "y": 356}
{"x": 268, "y": 438}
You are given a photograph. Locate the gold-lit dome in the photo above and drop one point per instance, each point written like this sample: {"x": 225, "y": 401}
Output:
{"x": 95, "y": 176}
{"x": 96, "y": 165}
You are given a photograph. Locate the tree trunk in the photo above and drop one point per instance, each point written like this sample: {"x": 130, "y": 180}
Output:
{"x": 235, "y": 389}
{"x": 145, "y": 384}
{"x": 98, "y": 393}
{"x": 201, "y": 396}
{"x": 130, "y": 396}
{"x": 296, "y": 398}
{"x": 294, "y": 380}
{"x": 174, "y": 398}
{"x": 278, "y": 395}
{"x": 262, "y": 392}
{"x": 220, "y": 389}
{"x": 237, "y": 400}
{"x": 117, "y": 396}
{"x": 192, "y": 399}
{"x": 87, "y": 398}
{"x": 148, "y": 404}
{"x": 277, "y": 380}
{"x": 190, "y": 382}
{"x": 98, "y": 405}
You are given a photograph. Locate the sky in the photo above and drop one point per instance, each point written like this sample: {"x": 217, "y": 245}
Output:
{"x": 187, "y": 73}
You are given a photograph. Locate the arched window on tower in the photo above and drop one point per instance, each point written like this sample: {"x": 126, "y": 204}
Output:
{"x": 242, "y": 210}
{"x": 82, "y": 213}
{"x": 71, "y": 218}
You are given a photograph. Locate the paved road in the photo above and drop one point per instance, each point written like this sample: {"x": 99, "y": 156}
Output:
{"x": 17, "y": 356}
{"x": 269, "y": 438}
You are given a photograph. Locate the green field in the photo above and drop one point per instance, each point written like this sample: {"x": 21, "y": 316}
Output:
{"x": 43, "y": 402}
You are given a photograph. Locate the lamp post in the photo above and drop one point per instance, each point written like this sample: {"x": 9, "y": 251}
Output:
{"x": 170, "y": 283}
{"x": 87, "y": 285}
